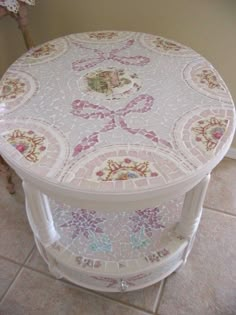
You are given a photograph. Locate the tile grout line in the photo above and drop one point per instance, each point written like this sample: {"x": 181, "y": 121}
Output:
{"x": 100, "y": 294}
{"x": 133, "y": 307}
{"x": 11, "y": 260}
{"x": 220, "y": 211}
{"x": 94, "y": 293}
{"x": 49, "y": 275}
{"x": 16, "y": 275}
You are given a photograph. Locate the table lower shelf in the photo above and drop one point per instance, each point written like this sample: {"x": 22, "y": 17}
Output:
{"x": 115, "y": 251}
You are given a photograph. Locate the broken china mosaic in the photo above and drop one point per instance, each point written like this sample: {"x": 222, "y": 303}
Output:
{"x": 105, "y": 37}
{"x": 16, "y": 89}
{"x": 119, "y": 55}
{"x": 124, "y": 168}
{"x": 111, "y": 83}
{"x": 97, "y": 101}
{"x": 92, "y": 239}
{"x": 37, "y": 145}
{"x": 30, "y": 144}
{"x": 165, "y": 46}
{"x": 202, "y": 77}
{"x": 201, "y": 132}
{"x": 45, "y": 52}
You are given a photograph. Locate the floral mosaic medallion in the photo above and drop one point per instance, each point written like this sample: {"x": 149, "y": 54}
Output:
{"x": 46, "y": 52}
{"x": 112, "y": 83}
{"x": 204, "y": 133}
{"x": 209, "y": 131}
{"x": 101, "y": 37}
{"x": 165, "y": 46}
{"x": 124, "y": 169}
{"x": 16, "y": 88}
{"x": 28, "y": 143}
{"x": 11, "y": 88}
{"x": 40, "y": 148}
{"x": 202, "y": 77}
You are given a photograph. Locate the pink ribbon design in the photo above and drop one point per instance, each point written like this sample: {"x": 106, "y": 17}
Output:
{"x": 87, "y": 110}
{"x": 86, "y": 63}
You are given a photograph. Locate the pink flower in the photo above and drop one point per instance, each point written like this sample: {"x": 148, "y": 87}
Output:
{"x": 198, "y": 139}
{"x": 127, "y": 160}
{"x": 153, "y": 174}
{"x": 21, "y": 147}
{"x": 217, "y": 135}
{"x": 42, "y": 148}
{"x": 99, "y": 173}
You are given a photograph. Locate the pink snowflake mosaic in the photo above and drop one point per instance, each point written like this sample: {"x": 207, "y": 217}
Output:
{"x": 93, "y": 240}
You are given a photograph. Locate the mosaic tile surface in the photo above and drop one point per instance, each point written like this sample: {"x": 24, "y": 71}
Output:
{"x": 115, "y": 243}
{"x": 16, "y": 89}
{"x": 114, "y": 110}
{"x": 44, "y": 53}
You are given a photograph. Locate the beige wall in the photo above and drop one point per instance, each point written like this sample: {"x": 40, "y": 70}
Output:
{"x": 208, "y": 26}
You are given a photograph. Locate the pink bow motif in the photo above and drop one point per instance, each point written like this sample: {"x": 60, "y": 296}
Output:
{"x": 84, "y": 109}
{"x": 86, "y": 63}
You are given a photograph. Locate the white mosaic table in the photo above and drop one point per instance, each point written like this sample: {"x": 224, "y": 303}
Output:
{"x": 107, "y": 131}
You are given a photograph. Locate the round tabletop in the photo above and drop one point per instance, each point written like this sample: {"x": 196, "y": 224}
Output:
{"x": 114, "y": 112}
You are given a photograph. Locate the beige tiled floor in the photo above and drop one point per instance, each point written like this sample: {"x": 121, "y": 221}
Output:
{"x": 205, "y": 286}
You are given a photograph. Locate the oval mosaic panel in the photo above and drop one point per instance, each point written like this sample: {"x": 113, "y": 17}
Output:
{"x": 35, "y": 144}
{"x": 45, "y": 52}
{"x": 165, "y": 46}
{"x": 16, "y": 88}
{"x": 203, "y": 78}
{"x": 101, "y": 37}
{"x": 111, "y": 83}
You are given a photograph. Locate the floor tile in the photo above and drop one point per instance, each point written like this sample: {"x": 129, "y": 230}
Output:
{"x": 16, "y": 239}
{"x": 8, "y": 271}
{"x": 145, "y": 298}
{"x": 36, "y": 294}
{"x": 207, "y": 283}
{"x": 221, "y": 191}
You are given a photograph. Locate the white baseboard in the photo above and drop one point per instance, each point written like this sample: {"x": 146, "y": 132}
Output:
{"x": 231, "y": 153}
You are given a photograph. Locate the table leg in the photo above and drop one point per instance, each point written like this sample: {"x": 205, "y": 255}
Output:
{"x": 39, "y": 215}
{"x": 52, "y": 264}
{"x": 191, "y": 213}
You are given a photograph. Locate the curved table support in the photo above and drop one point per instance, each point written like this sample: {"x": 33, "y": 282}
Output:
{"x": 39, "y": 215}
{"x": 191, "y": 213}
